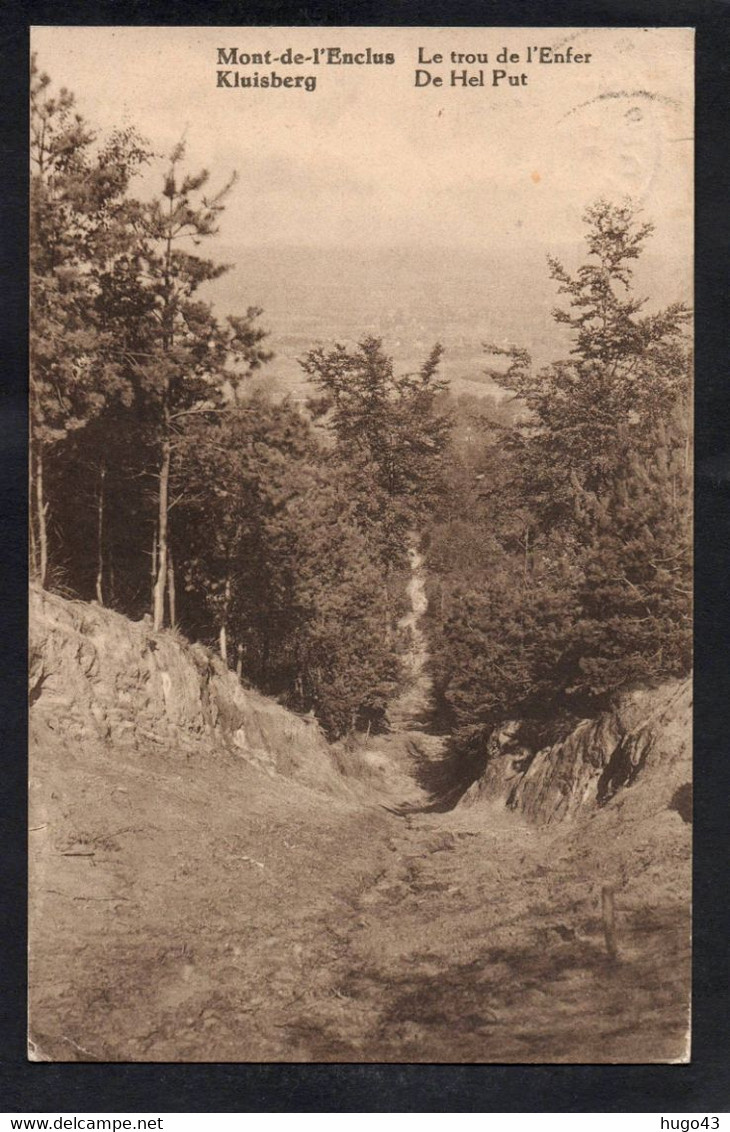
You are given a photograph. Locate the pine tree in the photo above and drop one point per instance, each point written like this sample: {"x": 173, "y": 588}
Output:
{"x": 78, "y": 226}
{"x": 181, "y": 361}
{"x": 277, "y": 566}
{"x": 626, "y": 370}
{"x": 635, "y": 593}
{"x": 583, "y": 504}
{"x": 390, "y": 434}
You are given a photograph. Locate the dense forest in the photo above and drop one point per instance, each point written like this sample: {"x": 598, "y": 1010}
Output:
{"x": 555, "y": 519}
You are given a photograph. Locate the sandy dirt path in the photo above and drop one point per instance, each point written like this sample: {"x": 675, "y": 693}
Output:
{"x": 190, "y": 908}
{"x": 217, "y": 915}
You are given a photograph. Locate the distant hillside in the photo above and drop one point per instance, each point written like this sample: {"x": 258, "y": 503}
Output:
{"x": 411, "y": 297}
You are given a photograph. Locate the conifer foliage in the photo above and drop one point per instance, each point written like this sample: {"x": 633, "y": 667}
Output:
{"x": 161, "y": 486}
{"x": 556, "y": 520}
{"x": 78, "y": 226}
{"x": 584, "y": 504}
{"x": 390, "y": 432}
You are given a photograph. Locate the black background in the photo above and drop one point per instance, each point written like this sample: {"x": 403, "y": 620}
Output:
{"x": 702, "y": 1086}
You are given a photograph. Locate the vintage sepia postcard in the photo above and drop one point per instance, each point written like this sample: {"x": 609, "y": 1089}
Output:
{"x": 360, "y": 544}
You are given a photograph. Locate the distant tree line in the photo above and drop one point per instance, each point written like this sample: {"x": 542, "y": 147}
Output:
{"x": 160, "y": 486}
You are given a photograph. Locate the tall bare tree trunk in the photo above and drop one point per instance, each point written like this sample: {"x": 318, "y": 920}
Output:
{"x": 171, "y": 588}
{"x": 34, "y": 567}
{"x": 526, "y": 567}
{"x": 100, "y": 537}
{"x": 239, "y": 661}
{"x": 153, "y": 567}
{"x": 33, "y": 547}
{"x": 223, "y": 634}
{"x": 158, "y": 611}
{"x": 42, "y": 510}
{"x": 386, "y": 604}
{"x": 168, "y": 317}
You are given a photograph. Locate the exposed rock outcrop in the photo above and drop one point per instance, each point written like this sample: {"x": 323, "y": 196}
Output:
{"x": 189, "y": 903}
{"x": 94, "y": 675}
{"x": 646, "y": 736}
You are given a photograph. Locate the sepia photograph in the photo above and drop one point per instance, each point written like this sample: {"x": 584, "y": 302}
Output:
{"x": 360, "y": 545}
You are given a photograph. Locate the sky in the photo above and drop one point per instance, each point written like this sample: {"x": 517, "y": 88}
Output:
{"x": 369, "y": 159}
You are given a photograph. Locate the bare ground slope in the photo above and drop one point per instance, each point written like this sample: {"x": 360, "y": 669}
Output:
{"x": 194, "y": 901}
